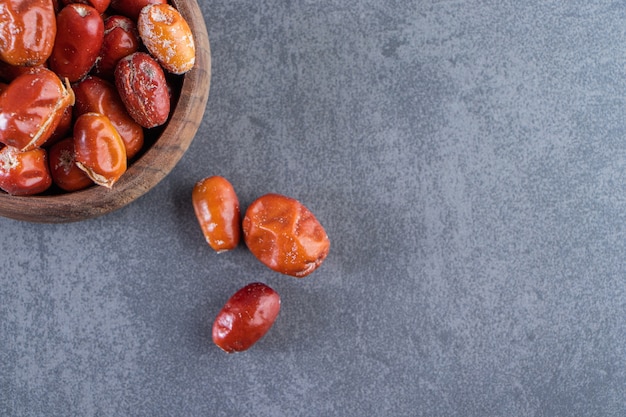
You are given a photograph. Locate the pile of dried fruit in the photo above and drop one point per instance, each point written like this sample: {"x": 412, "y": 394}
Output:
{"x": 82, "y": 82}
{"x": 279, "y": 231}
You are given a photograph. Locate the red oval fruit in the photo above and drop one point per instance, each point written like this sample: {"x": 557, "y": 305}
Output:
{"x": 246, "y": 317}
{"x": 80, "y": 31}
{"x": 168, "y": 37}
{"x": 143, "y": 88}
{"x": 24, "y": 172}
{"x": 32, "y": 107}
{"x": 217, "y": 209}
{"x": 284, "y": 235}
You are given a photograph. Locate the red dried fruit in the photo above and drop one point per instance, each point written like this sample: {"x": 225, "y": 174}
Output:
{"x": 31, "y": 108}
{"x": 65, "y": 174}
{"x": 120, "y": 39}
{"x": 246, "y": 317}
{"x": 24, "y": 172}
{"x": 80, "y": 31}
{"x": 143, "y": 88}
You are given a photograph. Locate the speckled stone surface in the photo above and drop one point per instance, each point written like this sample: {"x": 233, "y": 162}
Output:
{"x": 468, "y": 161}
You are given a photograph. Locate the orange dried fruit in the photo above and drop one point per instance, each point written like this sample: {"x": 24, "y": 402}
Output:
{"x": 99, "y": 149}
{"x": 168, "y": 37}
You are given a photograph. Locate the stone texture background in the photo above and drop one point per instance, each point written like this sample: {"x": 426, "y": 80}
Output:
{"x": 468, "y": 160}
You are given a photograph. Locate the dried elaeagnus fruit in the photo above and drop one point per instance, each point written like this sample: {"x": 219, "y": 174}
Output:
{"x": 167, "y": 36}
{"x": 99, "y": 149}
{"x": 32, "y": 107}
{"x": 27, "y": 31}
{"x": 143, "y": 89}
{"x": 120, "y": 39}
{"x": 65, "y": 173}
{"x": 217, "y": 209}
{"x": 246, "y": 317}
{"x": 80, "y": 32}
{"x": 24, "y": 172}
{"x": 284, "y": 235}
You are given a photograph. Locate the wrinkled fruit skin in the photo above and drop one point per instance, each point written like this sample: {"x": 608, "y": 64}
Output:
{"x": 167, "y": 36}
{"x": 143, "y": 89}
{"x": 24, "y": 172}
{"x": 284, "y": 235}
{"x": 93, "y": 94}
{"x": 99, "y": 149}
{"x": 80, "y": 32}
{"x": 31, "y": 108}
{"x": 217, "y": 209}
{"x": 28, "y": 31}
{"x": 246, "y": 317}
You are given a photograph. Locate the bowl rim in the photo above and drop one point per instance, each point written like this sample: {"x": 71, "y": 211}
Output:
{"x": 151, "y": 167}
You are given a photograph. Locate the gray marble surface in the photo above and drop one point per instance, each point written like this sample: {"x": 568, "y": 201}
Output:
{"x": 468, "y": 161}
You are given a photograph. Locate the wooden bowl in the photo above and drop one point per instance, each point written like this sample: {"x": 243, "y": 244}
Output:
{"x": 151, "y": 167}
